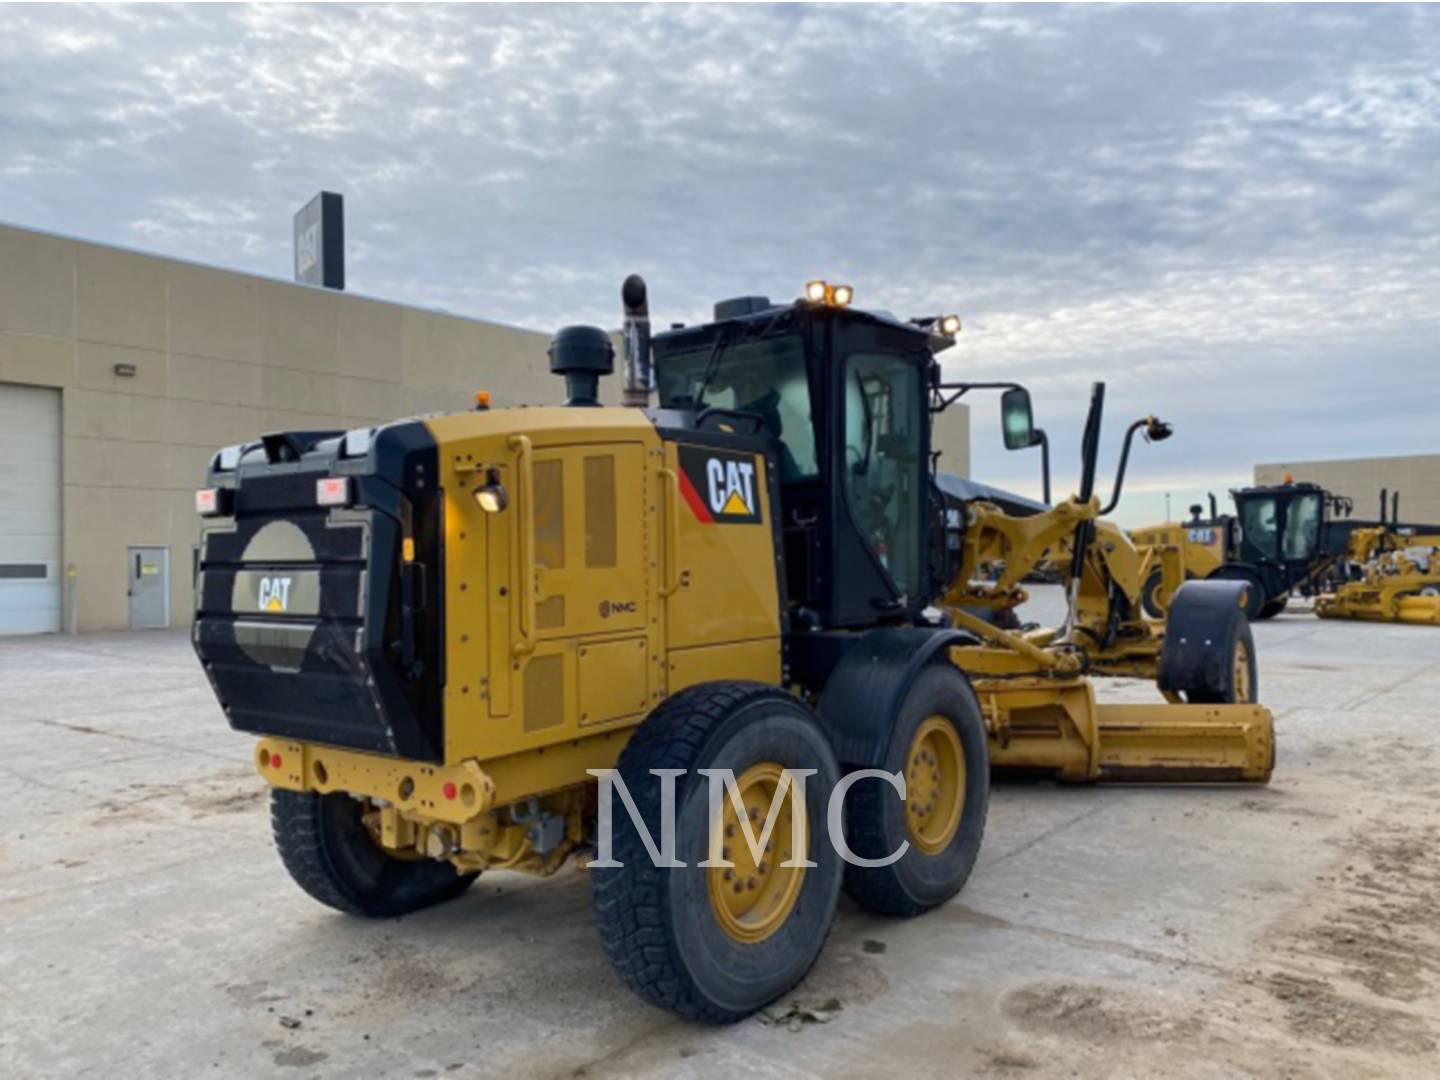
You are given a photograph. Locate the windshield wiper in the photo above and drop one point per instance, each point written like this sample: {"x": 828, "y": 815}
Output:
{"x": 712, "y": 368}
{"x": 712, "y": 364}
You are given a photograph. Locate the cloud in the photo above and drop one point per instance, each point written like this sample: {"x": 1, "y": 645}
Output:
{"x": 1231, "y": 215}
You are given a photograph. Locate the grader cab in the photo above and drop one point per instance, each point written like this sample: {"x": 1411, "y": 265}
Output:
{"x": 459, "y": 637}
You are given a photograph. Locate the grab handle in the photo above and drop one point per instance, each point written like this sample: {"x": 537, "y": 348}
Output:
{"x": 673, "y": 577}
{"x": 526, "y": 465}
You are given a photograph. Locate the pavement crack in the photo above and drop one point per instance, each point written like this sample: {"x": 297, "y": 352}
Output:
{"x": 1088, "y": 944}
{"x": 1101, "y": 804}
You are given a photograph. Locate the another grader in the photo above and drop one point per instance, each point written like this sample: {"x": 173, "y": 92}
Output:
{"x": 444, "y": 629}
{"x": 1392, "y": 576}
{"x": 1283, "y": 538}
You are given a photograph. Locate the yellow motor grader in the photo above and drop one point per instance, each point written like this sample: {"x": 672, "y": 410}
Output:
{"x": 742, "y": 608}
{"x": 1398, "y": 579}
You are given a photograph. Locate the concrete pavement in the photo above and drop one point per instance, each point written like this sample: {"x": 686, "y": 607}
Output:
{"x": 1292, "y": 930}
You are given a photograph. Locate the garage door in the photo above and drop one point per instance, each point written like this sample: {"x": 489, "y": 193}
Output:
{"x": 29, "y": 509}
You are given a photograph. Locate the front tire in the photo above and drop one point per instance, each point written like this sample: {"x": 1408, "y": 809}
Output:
{"x": 938, "y": 743}
{"x": 1240, "y": 683}
{"x": 323, "y": 842}
{"x": 715, "y": 943}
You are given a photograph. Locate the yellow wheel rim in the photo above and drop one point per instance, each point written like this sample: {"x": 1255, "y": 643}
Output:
{"x": 1242, "y": 673}
{"x": 934, "y": 785}
{"x": 753, "y": 898}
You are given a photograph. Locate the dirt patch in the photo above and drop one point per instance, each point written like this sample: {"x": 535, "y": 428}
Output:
{"x": 226, "y": 802}
{"x": 1008, "y": 1062}
{"x": 1383, "y": 928}
{"x": 111, "y": 813}
{"x": 1092, "y": 1013}
{"x": 299, "y": 1057}
{"x": 1315, "y": 1011}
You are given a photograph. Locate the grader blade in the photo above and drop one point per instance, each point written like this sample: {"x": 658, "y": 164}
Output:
{"x": 1186, "y": 743}
{"x": 1055, "y": 726}
{"x": 1375, "y": 605}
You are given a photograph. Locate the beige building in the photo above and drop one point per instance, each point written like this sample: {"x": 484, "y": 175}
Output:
{"x": 121, "y": 373}
{"x": 1415, "y": 476}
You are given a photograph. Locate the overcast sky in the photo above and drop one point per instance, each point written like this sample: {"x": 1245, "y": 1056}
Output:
{"x": 1232, "y": 215}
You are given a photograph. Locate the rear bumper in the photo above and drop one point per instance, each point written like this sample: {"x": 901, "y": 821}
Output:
{"x": 451, "y": 793}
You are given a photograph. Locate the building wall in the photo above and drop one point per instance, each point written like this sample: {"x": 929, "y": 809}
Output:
{"x": 221, "y": 357}
{"x": 1416, "y": 477}
{"x": 952, "y": 438}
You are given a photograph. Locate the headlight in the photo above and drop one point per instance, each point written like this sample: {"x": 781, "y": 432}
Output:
{"x": 815, "y": 291}
{"x": 492, "y": 497}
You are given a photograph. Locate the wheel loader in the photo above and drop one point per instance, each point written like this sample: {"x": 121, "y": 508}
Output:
{"x": 459, "y": 637}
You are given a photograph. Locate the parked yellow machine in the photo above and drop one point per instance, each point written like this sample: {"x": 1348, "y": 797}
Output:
{"x": 1398, "y": 579}
{"x": 1201, "y": 543}
{"x": 442, "y": 628}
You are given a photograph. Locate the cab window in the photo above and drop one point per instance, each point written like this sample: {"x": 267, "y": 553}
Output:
{"x": 883, "y": 470}
{"x": 765, "y": 377}
{"x": 1302, "y": 527}
{"x": 1259, "y": 526}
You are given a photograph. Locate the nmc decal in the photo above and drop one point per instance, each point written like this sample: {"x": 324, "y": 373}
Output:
{"x": 721, "y": 486}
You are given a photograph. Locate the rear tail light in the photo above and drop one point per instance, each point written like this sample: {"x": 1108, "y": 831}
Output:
{"x": 332, "y": 491}
{"x": 213, "y": 502}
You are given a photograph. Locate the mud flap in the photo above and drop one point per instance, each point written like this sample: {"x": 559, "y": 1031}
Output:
{"x": 1205, "y": 617}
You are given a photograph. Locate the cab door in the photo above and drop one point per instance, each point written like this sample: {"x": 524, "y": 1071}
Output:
{"x": 881, "y": 502}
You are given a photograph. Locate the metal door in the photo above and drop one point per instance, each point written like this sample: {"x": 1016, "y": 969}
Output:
{"x": 29, "y": 509}
{"x": 149, "y": 574}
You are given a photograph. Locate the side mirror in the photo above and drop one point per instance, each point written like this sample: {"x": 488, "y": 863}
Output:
{"x": 1016, "y": 420}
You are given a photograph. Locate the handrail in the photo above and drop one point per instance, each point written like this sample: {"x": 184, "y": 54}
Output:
{"x": 669, "y": 588}
{"x": 526, "y": 466}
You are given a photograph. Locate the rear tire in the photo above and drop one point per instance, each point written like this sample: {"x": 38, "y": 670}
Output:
{"x": 687, "y": 938}
{"x": 1274, "y": 607}
{"x": 1255, "y": 598}
{"x": 329, "y": 852}
{"x": 941, "y": 854}
{"x": 1148, "y": 595}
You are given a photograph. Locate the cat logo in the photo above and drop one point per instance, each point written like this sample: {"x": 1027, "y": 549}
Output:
{"x": 720, "y": 486}
{"x": 273, "y": 594}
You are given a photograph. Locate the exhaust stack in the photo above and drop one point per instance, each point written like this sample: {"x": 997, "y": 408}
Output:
{"x": 639, "y": 373}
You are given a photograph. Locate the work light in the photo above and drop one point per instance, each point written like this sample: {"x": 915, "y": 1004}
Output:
{"x": 492, "y": 497}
